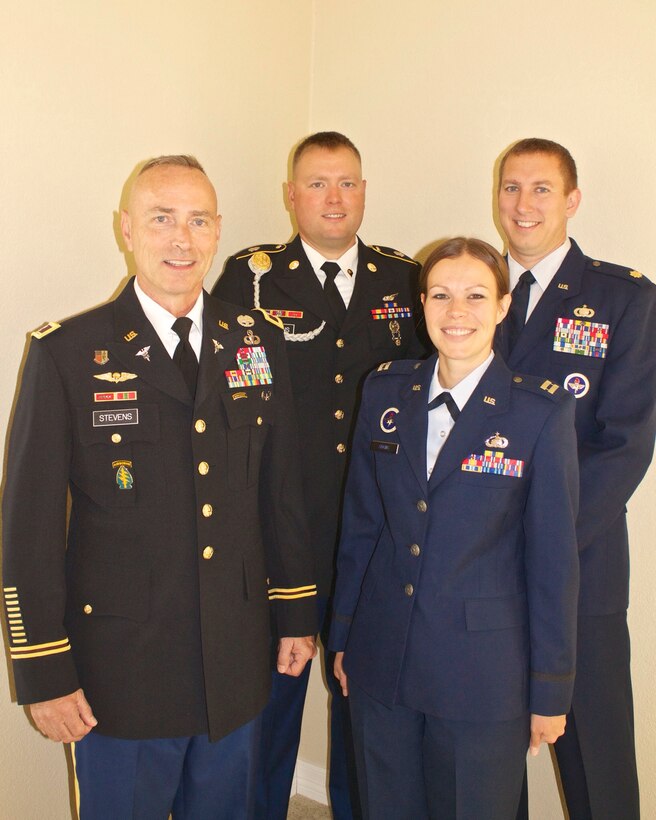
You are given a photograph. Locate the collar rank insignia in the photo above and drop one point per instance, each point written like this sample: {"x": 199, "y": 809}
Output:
{"x": 416, "y": 387}
{"x": 563, "y": 286}
{"x": 144, "y": 353}
{"x": 584, "y": 312}
{"x": 253, "y": 368}
{"x": 130, "y": 335}
{"x": 496, "y": 441}
{"x": 217, "y": 345}
{"x": 223, "y": 324}
{"x": 115, "y": 377}
{"x": 489, "y": 400}
{"x": 100, "y": 356}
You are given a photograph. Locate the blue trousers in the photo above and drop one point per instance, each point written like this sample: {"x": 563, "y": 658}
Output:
{"x": 188, "y": 777}
{"x": 415, "y": 766}
{"x": 281, "y": 733}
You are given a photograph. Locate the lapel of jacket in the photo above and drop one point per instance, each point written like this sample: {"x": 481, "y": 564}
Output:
{"x": 565, "y": 284}
{"x": 367, "y": 279}
{"x": 133, "y": 333}
{"x": 412, "y": 419}
{"x": 300, "y": 282}
{"x": 490, "y": 398}
{"x": 222, "y": 337}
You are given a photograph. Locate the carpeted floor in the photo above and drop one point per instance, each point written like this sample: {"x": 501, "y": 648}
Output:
{"x": 300, "y": 808}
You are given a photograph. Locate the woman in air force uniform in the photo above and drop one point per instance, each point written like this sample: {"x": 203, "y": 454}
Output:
{"x": 455, "y": 607}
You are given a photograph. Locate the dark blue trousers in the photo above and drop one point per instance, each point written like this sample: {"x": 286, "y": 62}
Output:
{"x": 188, "y": 777}
{"x": 414, "y": 766}
{"x": 281, "y": 733}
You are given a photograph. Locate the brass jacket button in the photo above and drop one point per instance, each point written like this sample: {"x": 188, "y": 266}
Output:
{"x": 203, "y": 468}
{"x": 200, "y": 426}
{"x": 208, "y": 552}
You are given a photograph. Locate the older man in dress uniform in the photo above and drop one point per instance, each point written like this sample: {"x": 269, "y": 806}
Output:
{"x": 588, "y": 326}
{"x": 142, "y": 635}
{"x": 346, "y": 307}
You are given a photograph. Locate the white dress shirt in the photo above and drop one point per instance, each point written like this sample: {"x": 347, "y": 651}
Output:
{"x": 348, "y": 265}
{"x": 440, "y": 422}
{"x": 544, "y": 271}
{"x": 162, "y": 320}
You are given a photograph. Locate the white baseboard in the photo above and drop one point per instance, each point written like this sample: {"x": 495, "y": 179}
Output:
{"x": 311, "y": 782}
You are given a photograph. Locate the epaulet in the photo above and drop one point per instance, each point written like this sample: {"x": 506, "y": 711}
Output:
{"x": 537, "y": 384}
{"x": 619, "y": 271}
{"x": 275, "y": 320}
{"x": 259, "y": 260}
{"x": 398, "y": 367}
{"x": 44, "y": 330}
{"x": 392, "y": 254}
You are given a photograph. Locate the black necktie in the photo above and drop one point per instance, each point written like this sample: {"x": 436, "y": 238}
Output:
{"x": 184, "y": 355}
{"x": 445, "y": 398}
{"x": 333, "y": 296}
{"x": 518, "y": 307}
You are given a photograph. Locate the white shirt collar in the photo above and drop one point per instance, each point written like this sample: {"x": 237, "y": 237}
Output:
{"x": 348, "y": 261}
{"x": 544, "y": 270}
{"x": 162, "y": 320}
{"x": 462, "y": 391}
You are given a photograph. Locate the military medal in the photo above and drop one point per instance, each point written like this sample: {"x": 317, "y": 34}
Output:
{"x": 581, "y": 338}
{"x": 577, "y": 384}
{"x": 253, "y": 368}
{"x": 395, "y": 330}
{"x": 144, "y": 353}
{"x": 391, "y": 310}
{"x": 388, "y": 420}
{"x": 101, "y": 356}
{"x": 494, "y": 463}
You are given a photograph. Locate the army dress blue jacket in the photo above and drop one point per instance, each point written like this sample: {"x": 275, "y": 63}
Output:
{"x": 456, "y": 596}
{"x": 186, "y": 531}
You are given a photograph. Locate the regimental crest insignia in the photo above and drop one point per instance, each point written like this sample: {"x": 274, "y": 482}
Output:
{"x": 100, "y": 356}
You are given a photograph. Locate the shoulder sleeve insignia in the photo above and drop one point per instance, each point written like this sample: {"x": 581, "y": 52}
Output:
{"x": 45, "y": 329}
{"x": 392, "y": 254}
{"x": 275, "y": 320}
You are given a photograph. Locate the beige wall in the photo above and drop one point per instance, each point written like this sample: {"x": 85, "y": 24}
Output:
{"x": 431, "y": 91}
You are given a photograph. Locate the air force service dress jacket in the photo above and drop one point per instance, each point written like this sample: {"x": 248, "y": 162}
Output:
{"x": 328, "y": 362}
{"x": 186, "y": 524}
{"x": 593, "y": 332}
{"x": 456, "y": 596}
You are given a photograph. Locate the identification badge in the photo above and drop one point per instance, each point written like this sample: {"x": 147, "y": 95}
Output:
{"x": 115, "y": 418}
{"x": 581, "y": 338}
{"x": 384, "y": 447}
{"x": 493, "y": 462}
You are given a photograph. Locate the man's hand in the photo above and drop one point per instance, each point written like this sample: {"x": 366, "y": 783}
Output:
{"x": 339, "y": 672}
{"x": 66, "y": 719}
{"x": 545, "y": 730}
{"x": 294, "y": 653}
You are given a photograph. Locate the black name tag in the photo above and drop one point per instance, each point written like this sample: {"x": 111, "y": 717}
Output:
{"x": 114, "y": 418}
{"x": 384, "y": 447}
